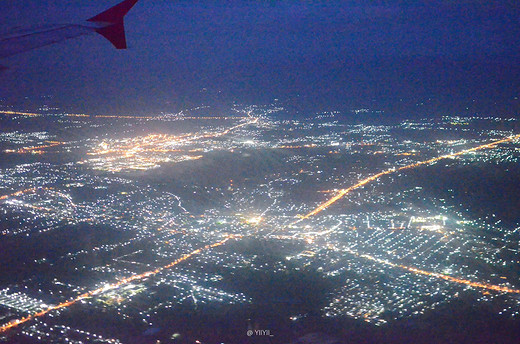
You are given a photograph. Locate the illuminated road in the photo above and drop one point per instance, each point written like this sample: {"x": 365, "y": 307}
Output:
{"x": 32, "y": 190}
{"x": 35, "y": 149}
{"x": 23, "y": 192}
{"x": 441, "y": 276}
{"x": 29, "y": 114}
{"x": 227, "y": 131}
{"x": 17, "y": 322}
{"x": 416, "y": 271}
{"x": 341, "y": 193}
{"x": 146, "y": 117}
{"x": 18, "y": 193}
{"x": 81, "y": 115}
{"x": 461, "y": 281}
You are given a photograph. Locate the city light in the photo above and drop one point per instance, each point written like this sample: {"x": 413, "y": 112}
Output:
{"x": 398, "y": 251}
{"x": 150, "y": 151}
{"x": 343, "y": 192}
{"x": 107, "y": 287}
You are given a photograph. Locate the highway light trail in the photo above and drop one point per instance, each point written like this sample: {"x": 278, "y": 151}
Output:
{"x": 441, "y": 276}
{"x": 23, "y": 192}
{"x": 28, "y": 114}
{"x": 115, "y": 285}
{"x": 81, "y": 115}
{"x": 445, "y": 277}
{"x": 18, "y": 193}
{"x": 460, "y": 280}
{"x": 33, "y": 190}
{"x": 227, "y": 131}
{"x": 341, "y": 193}
{"x": 146, "y": 117}
{"x": 35, "y": 149}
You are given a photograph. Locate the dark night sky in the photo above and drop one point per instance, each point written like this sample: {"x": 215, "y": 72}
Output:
{"x": 324, "y": 55}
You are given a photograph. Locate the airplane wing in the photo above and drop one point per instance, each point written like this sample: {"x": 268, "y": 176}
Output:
{"x": 112, "y": 23}
{"x": 37, "y": 37}
{"x": 109, "y": 24}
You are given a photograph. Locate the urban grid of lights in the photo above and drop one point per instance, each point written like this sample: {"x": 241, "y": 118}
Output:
{"x": 149, "y": 151}
{"x": 256, "y": 220}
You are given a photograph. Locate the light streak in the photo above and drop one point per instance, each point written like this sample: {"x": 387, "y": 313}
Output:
{"x": 30, "y": 114}
{"x": 22, "y": 192}
{"x": 448, "y": 278}
{"x": 65, "y": 196}
{"x": 461, "y": 281}
{"x": 30, "y": 190}
{"x": 110, "y": 116}
{"x": 210, "y": 117}
{"x": 30, "y": 206}
{"x": 312, "y": 145}
{"x": 35, "y": 149}
{"x": 441, "y": 276}
{"x": 89, "y": 294}
{"x": 341, "y": 193}
{"x": 20, "y": 113}
{"x": 227, "y": 131}
{"x": 152, "y": 117}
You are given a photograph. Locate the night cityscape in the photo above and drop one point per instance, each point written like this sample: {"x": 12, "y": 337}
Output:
{"x": 292, "y": 172}
{"x": 138, "y": 219}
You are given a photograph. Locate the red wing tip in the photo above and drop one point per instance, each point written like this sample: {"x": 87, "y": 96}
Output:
{"x": 115, "y": 34}
{"x": 115, "y": 13}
